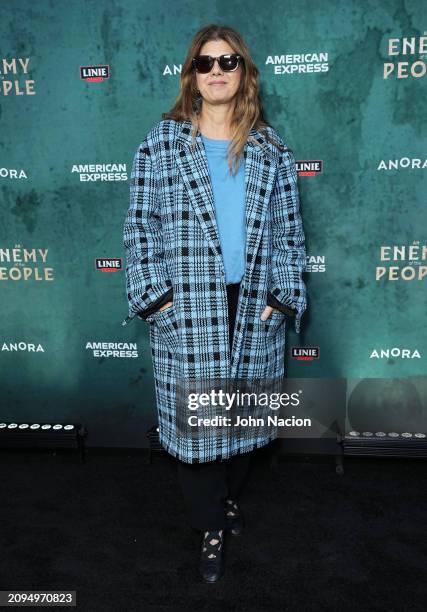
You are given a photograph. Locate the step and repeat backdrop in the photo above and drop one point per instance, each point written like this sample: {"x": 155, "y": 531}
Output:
{"x": 82, "y": 82}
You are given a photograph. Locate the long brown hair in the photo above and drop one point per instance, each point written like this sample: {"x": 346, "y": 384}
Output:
{"x": 248, "y": 112}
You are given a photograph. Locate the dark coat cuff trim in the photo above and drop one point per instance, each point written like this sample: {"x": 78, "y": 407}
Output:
{"x": 163, "y": 299}
{"x": 274, "y": 302}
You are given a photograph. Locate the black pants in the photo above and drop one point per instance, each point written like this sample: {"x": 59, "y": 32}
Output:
{"x": 205, "y": 486}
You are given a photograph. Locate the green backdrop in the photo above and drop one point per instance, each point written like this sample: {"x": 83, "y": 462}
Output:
{"x": 353, "y": 101}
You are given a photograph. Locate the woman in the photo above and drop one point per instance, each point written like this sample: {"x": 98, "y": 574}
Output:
{"x": 215, "y": 254}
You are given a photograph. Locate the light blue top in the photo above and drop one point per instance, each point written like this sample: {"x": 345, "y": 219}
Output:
{"x": 230, "y": 206}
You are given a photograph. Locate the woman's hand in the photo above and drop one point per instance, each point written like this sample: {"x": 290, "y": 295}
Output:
{"x": 167, "y": 305}
{"x": 267, "y": 312}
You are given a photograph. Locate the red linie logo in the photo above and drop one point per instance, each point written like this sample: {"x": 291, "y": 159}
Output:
{"x": 108, "y": 264}
{"x": 305, "y": 353}
{"x": 309, "y": 167}
{"x": 94, "y": 74}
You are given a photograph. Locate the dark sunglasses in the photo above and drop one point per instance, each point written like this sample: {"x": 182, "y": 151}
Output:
{"x": 227, "y": 63}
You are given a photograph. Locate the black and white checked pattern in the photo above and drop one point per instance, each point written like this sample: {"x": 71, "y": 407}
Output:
{"x": 171, "y": 240}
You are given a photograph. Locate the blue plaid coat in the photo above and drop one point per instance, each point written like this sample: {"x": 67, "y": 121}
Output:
{"x": 173, "y": 249}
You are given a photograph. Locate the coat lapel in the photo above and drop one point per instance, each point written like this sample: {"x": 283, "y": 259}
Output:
{"x": 260, "y": 173}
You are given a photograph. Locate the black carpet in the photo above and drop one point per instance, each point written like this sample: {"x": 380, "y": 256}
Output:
{"x": 114, "y": 530}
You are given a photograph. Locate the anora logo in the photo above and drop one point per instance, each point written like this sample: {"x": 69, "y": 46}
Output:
{"x": 395, "y": 353}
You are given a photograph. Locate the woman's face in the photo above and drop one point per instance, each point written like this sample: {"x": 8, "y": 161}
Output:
{"x": 217, "y": 86}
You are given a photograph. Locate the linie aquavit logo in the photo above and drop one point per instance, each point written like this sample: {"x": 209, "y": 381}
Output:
{"x": 305, "y": 353}
{"x": 94, "y": 74}
{"x": 108, "y": 264}
{"x": 309, "y": 167}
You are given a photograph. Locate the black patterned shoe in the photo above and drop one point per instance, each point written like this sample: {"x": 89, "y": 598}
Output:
{"x": 234, "y": 517}
{"x": 211, "y": 562}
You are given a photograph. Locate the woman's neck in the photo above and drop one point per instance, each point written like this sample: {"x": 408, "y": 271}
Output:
{"x": 215, "y": 125}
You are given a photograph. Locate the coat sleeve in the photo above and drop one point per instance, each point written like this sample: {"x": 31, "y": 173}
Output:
{"x": 288, "y": 259}
{"x": 147, "y": 282}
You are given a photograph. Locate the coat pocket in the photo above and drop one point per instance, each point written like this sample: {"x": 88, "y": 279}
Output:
{"x": 274, "y": 321}
{"x": 167, "y": 324}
